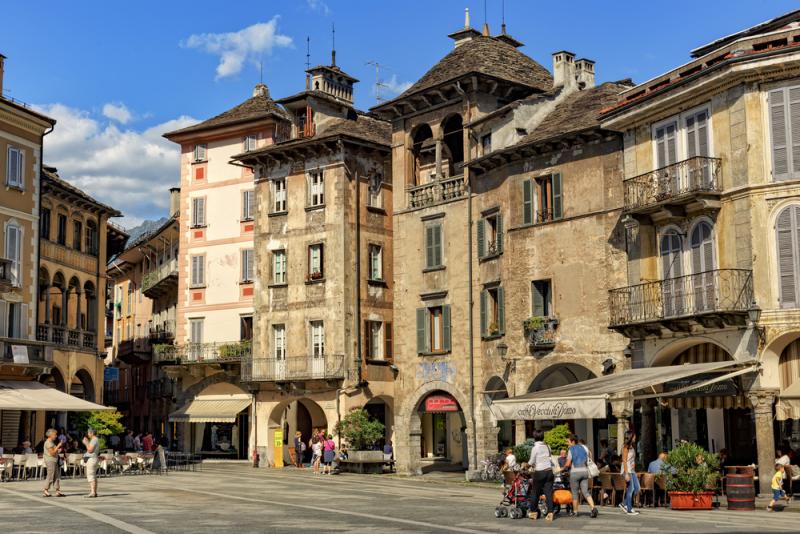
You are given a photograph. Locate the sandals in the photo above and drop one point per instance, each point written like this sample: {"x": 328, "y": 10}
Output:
{"x": 59, "y": 494}
{"x": 46, "y": 493}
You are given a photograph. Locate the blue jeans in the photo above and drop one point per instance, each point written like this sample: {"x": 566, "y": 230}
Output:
{"x": 631, "y": 489}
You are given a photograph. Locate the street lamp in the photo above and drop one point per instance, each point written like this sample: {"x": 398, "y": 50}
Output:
{"x": 754, "y": 313}
{"x": 502, "y": 350}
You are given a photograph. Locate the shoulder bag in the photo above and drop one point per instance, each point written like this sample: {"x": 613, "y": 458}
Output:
{"x": 594, "y": 471}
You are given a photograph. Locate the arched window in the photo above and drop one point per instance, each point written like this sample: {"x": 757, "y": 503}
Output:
{"x": 91, "y": 238}
{"x": 671, "y": 248}
{"x": 13, "y": 252}
{"x": 702, "y": 244}
{"x": 788, "y": 240}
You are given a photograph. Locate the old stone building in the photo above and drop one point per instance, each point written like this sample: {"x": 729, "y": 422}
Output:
{"x": 711, "y": 212}
{"x": 323, "y": 341}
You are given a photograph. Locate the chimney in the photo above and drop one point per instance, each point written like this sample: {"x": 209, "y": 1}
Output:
{"x": 2, "y": 69}
{"x": 261, "y": 90}
{"x": 564, "y": 69}
{"x": 584, "y": 73}
{"x": 174, "y": 201}
{"x": 467, "y": 33}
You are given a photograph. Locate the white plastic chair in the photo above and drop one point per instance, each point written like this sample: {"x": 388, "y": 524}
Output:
{"x": 19, "y": 466}
{"x": 32, "y": 464}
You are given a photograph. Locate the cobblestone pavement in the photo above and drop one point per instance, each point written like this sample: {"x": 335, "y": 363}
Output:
{"x": 238, "y": 498}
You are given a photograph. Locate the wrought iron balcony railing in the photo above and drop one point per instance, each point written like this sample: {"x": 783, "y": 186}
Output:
{"x": 152, "y": 281}
{"x": 721, "y": 291}
{"x": 681, "y": 180}
{"x": 320, "y": 367}
{"x": 6, "y": 280}
{"x": 541, "y": 332}
{"x": 202, "y": 353}
{"x": 420, "y": 196}
{"x": 14, "y": 350}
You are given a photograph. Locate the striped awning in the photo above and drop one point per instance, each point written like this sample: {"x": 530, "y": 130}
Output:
{"x": 788, "y": 405}
{"x": 211, "y": 409}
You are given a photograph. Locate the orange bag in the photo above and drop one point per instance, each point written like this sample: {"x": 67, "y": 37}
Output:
{"x": 562, "y": 497}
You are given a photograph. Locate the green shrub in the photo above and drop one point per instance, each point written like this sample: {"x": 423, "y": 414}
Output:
{"x": 557, "y": 438}
{"x": 691, "y": 468}
{"x": 359, "y": 431}
{"x": 106, "y": 423}
{"x": 523, "y": 451}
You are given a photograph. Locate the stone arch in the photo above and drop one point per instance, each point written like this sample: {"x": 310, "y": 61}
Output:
{"x": 560, "y": 374}
{"x": 421, "y": 141}
{"x": 217, "y": 378}
{"x": 54, "y": 379}
{"x": 388, "y": 414}
{"x": 84, "y": 387}
{"x": 667, "y": 354}
{"x": 771, "y": 358}
{"x": 453, "y": 141}
{"x": 496, "y": 388}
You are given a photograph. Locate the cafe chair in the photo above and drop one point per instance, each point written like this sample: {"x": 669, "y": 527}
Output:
{"x": 606, "y": 489}
{"x": 648, "y": 486}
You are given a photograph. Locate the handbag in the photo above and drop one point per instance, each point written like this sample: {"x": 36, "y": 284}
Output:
{"x": 594, "y": 471}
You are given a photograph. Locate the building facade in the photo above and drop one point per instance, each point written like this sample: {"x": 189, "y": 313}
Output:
{"x": 323, "y": 341}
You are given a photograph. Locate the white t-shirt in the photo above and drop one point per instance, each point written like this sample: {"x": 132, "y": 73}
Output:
{"x": 511, "y": 461}
{"x": 316, "y": 448}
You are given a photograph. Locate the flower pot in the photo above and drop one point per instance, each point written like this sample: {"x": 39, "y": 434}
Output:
{"x": 686, "y": 500}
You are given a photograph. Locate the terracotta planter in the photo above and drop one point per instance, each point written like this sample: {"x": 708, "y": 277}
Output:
{"x": 686, "y": 500}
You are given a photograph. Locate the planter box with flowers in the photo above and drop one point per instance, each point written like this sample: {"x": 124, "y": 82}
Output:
{"x": 691, "y": 474}
{"x": 312, "y": 277}
{"x": 541, "y": 332}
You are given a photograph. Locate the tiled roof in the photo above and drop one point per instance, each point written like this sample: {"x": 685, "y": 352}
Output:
{"x": 259, "y": 106}
{"x": 51, "y": 174}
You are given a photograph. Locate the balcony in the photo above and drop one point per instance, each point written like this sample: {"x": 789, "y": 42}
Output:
{"x": 294, "y": 368}
{"x": 436, "y": 192}
{"x": 162, "y": 332}
{"x": 541, "y": 332}
{"x": 161, "y": 280}
{"x": 81, "y": 340}
{"x": 134, "y": 351}
{"x": 6, "y": 282}
{"x": 26, "y": 353}
{"x": 68, "y": 256}
{"x": 712, "y": 299}
{"x": 202, "y": 353}
{"x": 672, "y": 191}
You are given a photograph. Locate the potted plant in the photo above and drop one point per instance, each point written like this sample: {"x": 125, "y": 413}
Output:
{"x": 691, "y": 476}
{"x": 494, "y": 329}
{"x": 361, "y": 433}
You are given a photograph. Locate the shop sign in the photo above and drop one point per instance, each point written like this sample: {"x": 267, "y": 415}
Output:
{"x": 723, "y": 388}
{"x": 111, "y": 374}
{"x": 279, "y": 438}
{"x": 20, "y": 354}
{"x": 441, "y": 403}
{"x": 550, "y": 409}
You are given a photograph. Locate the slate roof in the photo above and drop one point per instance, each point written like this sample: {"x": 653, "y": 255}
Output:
{"x": 485, "y": 55}
{"x": 259, "y": 106}
{"x": 51, "y": 174}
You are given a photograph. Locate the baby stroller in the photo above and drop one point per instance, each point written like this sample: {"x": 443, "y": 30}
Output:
{"x": 562, "y": 496}
{"x": 516, "y": 489}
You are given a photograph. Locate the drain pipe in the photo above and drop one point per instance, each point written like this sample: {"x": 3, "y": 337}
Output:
{"x": 474, "y": 459}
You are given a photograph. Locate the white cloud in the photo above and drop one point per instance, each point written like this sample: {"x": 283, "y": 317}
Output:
{"x": 118, "y": 112}
{"x": 234, "y": 48}
{"x": 395, "y": 87}
{"x": 319, "y": 6}
{"x": 128, "y": 169}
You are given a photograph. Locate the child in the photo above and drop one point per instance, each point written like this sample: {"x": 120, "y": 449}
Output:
{"x": 777, "y": 486}
{"x": 510, "y": 463}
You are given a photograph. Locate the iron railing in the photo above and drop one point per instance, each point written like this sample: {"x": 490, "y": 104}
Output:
{"x": 154, "y": 277}
{"x": 5, "y": 273}
{"x": 717, "y": 291}
{"x": 320, "y": 367}
{"x": 163, "y": 387}
{"x": 698, "y": 174}
{"x": 35, "y": 350}
{"x": 58, "y": 335}
{"x": 200, "y": 353}
{"x": 436, "y": 191}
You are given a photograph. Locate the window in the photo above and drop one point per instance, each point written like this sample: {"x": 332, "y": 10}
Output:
{"x": 200, "y": 152}
{"x": 248, "y": 267}
{"x": 490, "y": 236}
{"x": 316, "y": 188}
{"x": 317, "y": 338}
{"x": 316, "y": 263}
{"x": 378, "y": 340}
{"x": 375, "y": 262}
{"x": 279, "y": 195}
{"x": 196, "y": 330}
{"x": 91, "y": 238}
{"x": 541, "y": 199}
{"x": 279, "y": 267}
{"x": 13, "y": 320}
{"x": 492, "y": 312}
{"x": 13, "y": 253}
{"x": 15, "y": 168}
{"x": 246, "y": 328}
{"x": 787, "y": 227}
{"x": 198, "y": 271}
{"x": 198, "y": 212}
{"x": 61, "y": 238}
{"x": 541, "y": 298}
{"x": 486, "y": 144}
{"x": 433, "y": 246}
{"x": 666, "y": 144}
{"x": 130, "y": 300}
{"x": 433, "y": 329}
{"x": 784, "y": 118}
{"x": 250, "y": 142}
{"x": 77, "y": 234}
{"x": 279, "y": 341}
{"x": 44, "y": 224}
{"x": 248, "y": 205}
{"x": 374, "y": 199}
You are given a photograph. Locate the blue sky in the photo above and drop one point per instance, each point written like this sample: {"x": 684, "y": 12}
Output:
{"x": 117, "y": 77}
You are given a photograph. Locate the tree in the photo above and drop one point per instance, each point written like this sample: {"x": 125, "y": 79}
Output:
{"x": 556, "y": 438}
{"x": 359, "y": 431}
{"x": 104, "y": 422}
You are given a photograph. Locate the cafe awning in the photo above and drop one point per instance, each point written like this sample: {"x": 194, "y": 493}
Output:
{"x": 587, "y": 399}
{"x": 211, "y": 409}
{"x": 31, "y": 395}
{"x": 788, "y": 405}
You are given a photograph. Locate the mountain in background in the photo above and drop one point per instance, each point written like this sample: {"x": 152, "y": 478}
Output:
{"x": 146, "y": 227}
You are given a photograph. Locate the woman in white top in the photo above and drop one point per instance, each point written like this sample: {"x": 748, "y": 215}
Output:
{"x": 628, "y": 469}
{"x": 542, "y": 466}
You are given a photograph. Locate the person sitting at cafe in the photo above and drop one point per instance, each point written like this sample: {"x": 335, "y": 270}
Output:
{"x": 656, "y": 465}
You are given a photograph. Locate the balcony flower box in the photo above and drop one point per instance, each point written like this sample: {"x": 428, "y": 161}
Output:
{"x": 316, "y": 275}
{"x": 541, "y": 332}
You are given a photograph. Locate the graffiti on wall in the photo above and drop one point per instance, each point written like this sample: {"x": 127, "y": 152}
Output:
{"x": 436, "y": 372}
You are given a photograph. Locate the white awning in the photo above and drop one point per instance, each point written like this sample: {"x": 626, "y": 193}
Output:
{"x": 30, "y": 395}
{"x": 211, "y": 409}
{"x": 587, "y": 399}
{"x": 788, "y": 405}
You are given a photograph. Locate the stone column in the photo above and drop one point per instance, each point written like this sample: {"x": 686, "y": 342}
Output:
{"x": 622, "y": 410}
{"x": 519, "y": 432}
{"x": 762, "y": 401}
{"x": 64, "y": 309}
{"x": 77, "y": 310}
{"x": 47, "y": 305}
{"x": 438, "y": 159}
{"x": 648, "y": 431}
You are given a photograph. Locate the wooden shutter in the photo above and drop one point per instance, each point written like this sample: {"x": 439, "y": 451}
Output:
{"x": 422, "y": 330}
{"x": 527, "y": 202}
{"x": 794, "y": 130}
{"x": 23, "y": 321}
{"x": 702, "y": 249}
{"x": 322, "y": 259}
{"x": 671, "y": 256}
{"x": 3, "y": 318}
{"x": 666, "y": 150}
{"x": 481, "y": 238}
{"x": 557, "y": 197}
{"x": 501, "y": 311}
{"x": 429, "y": 255}
{"x": 21, "y": 169}
{"x": 538, "y": 299}
{"x": 437, "y": 245}
{"x": 13, "y": 253}
{"x": 779, "y": 134}
{"x": 388, "y": 353}
{"x": 786, "y": 229}
{"x": 446, "y": 328}
{"x": 484, "y": 326}
{"x": 499, "y": 232}
{"x": 11, "y": 165}
{"x": 368, "y": 340}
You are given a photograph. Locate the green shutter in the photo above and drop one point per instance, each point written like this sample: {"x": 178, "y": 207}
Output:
{"x": 484, "y": 326}
{"x": 501, "y": 311}
{"x": 499, "y": 234}
{"x": 557, "y": 200}
{"x": 527, "y": 202}
{"x": 481, "y": 238}
{"x": 437, "y": 245}
{"x": 422, "y": 314}
{"x": 538, "y": 300}
{"x": 388, "y": 352}
{"x": 429, "y": 246}
{"x": 446, "y": 327}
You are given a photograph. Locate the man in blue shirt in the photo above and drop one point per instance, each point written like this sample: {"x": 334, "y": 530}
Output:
{"x": 656, "y": 465}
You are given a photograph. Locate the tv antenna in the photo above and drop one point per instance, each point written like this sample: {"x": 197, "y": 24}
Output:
{"x": 378, "y": 83}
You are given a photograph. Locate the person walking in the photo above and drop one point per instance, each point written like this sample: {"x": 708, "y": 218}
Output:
{"x": 316, "y": 454}
{"x": 329, "y": 453}
{"x": 129, "y": 441}
{"x": 628, "y": 469}
{"x": 542, "y": 464}
{"x": 52, "y": 449}
{"x": 92, "y": 445}
{"x": 299, "y": 449}
{"x": 577, "y": 463}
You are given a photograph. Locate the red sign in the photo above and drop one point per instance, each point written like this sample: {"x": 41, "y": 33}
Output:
{"x": 441, "y": 403}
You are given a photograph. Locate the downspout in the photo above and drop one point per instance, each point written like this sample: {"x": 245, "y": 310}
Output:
{"x": 474, "y": 459}
{"x": 37, "y": 232}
